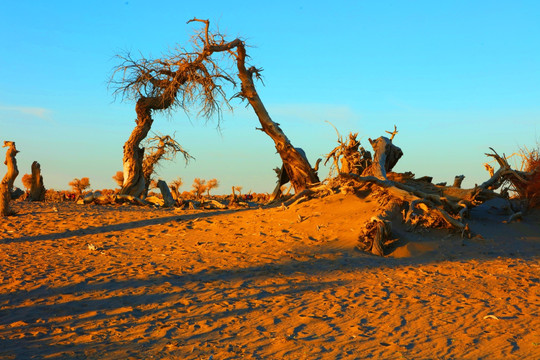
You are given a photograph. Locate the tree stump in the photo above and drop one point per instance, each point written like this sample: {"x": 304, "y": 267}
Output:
{"x": 386, "y": 157}
{"x": 166, "y": 193}
{"x": 37, "y": 190}
{"x": 6, "y": 185}
{"x": 458, "y": 180}
{"x": 5, "y": 209}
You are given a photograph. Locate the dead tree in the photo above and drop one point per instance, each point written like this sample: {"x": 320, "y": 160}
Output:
{"x": 526, "y": 184}
{"x": 296, "y": 165}
{"x": 37, "y": 190}
{"x": 354, "y": 158}
{"x": 189, "y": 78}
{"x": 5, "y": 197}
{"x": 79, "y": 185}
{"x": 160, "y": 148}
{"x": 182, "y": 80}
{"x": 175, "y": 188}
{"x": 386, "y": 157}
{"x": 11, "y": 163}
{"x": 458, "y": 180}
{"x": 6, "y": 186}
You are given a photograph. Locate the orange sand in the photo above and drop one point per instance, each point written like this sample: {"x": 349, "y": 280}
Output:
{"x": 123, "y": 282}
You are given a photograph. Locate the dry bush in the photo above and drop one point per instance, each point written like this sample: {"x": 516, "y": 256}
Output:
{"x": 211, "y": 184}
{"x": 531, "y": 162}
{"x": 119, "y": 178}
{"x": 199, "y": 187}
{"x": 27, "y": 181}
{"x": 187, "y": 195}
{"x": 79, "y": 185}
{"x": 261, "y": 197}
{"x": 175, "y": 187}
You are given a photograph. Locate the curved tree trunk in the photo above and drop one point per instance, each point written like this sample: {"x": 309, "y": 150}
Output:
{"x": 134, "y": 180}
{"x": 300, "y": 172}
{"x": 37, "y": 190}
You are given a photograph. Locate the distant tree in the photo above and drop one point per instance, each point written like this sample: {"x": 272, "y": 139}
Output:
{"x": 119, "y": 178}
{"x": 199, "y": 186}
{"x": 153, "y": 184}
{"x": 175, "y": 187}
{"x": 211, "y": 184}
{"x": 27, "y": 181}
{"x": 239, "y": 189}
{"x": 158, "y": 148}
{"x": 79, "y": 185}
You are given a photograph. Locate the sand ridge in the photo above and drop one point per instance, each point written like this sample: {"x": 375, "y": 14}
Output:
{"x": 104, "y": 282}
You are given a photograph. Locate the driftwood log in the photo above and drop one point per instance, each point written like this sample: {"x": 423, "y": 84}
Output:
{"x": 37, "y": 190}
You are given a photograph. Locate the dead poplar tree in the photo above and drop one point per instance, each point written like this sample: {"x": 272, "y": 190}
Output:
{"x": 188, "y": 78}
{"x": 185, "y": 79}
{"x": 6, "y": 186}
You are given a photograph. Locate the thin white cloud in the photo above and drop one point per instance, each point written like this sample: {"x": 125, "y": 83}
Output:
{"x": 38, "y": 112}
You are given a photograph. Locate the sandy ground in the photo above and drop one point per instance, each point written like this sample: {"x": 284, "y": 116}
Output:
{"x": 123, "y": 282}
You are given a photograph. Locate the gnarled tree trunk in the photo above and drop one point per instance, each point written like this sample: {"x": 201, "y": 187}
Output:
{"x": 134, "y": 180}
{"x": 134, "y": 183}
{"x": 37, "y": 190}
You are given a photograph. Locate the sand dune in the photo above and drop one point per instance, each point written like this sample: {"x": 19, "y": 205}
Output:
{"x": 123, "y": 282}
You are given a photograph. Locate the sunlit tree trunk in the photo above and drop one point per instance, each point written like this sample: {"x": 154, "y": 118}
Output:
{"x": 299, "y": 171}
{"x": 134, "y": 180}
{"x": 6, "y": 185}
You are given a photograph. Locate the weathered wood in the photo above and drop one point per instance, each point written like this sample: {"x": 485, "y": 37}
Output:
{"x": 6, "y": 185}
{"x": 409, "y": 194}
{"x": 383, "y": 230}
{"x": 11, "y": 163}
{"x": 299, "y": 171}
{"x": 37, "y": 189}
{"x": 168, "y": 199}
{"x": 458, "y": 180}
{"x": 386, "y": 157}
{"x": 5, "y": 197}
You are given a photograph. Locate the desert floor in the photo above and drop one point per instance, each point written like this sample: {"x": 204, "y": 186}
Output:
{"x": 124, "y": 282}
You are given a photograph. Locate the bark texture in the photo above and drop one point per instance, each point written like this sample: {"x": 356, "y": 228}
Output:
{"x": 11, "y": 163}
{"x": 37, "y": 189}
{"x": 134, "y": 182}
{"x": 168, "y": 199}
{"x": 386, "y": 157}
{"x": 6, "y": 185}
{"x": 299, "y": 171}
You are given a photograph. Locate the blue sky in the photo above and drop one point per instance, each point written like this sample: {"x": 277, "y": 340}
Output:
{"x": 456, "y": 77}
